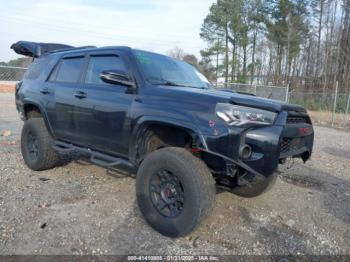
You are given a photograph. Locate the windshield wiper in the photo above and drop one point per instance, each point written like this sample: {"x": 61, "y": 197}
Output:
{"x": 170, "y": 83}
{"x": 164, "y": 82}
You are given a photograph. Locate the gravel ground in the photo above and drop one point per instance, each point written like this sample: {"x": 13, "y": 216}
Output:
{"x": 79, "y": 208}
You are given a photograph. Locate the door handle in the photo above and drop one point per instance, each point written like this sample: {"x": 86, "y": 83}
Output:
{"x": 80, "y": 95}
{"x": 44, "y": 91}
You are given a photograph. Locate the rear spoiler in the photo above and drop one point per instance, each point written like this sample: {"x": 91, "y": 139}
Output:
{"x": 33, "y": 49}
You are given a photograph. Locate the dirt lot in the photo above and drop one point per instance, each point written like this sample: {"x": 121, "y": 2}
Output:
{"x": 324, "y": 118}
{"x": 79, "y": 208}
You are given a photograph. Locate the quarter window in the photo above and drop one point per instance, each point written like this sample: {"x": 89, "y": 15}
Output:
{"x": 98, "y": 64}
{"x": 36, "y": 68}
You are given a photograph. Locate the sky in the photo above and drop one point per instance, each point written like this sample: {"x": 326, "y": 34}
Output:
{"x": 154, "y": 25}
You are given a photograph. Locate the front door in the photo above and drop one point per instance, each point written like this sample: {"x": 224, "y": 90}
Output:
{"x": 101, "y": 115}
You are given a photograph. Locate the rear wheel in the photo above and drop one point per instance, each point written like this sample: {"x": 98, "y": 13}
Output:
{"x": 175, "y": 191}
{"x": 36, "y": 145}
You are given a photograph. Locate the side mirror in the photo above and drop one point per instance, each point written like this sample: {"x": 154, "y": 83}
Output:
{"x": 116, "y": 77}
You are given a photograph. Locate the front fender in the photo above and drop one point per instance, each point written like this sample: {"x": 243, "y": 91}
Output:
{"x": 144, "y": 122}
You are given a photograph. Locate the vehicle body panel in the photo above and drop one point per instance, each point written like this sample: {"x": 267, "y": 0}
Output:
{"x": 111, "y": 118}
{"x": 107, "y": 106}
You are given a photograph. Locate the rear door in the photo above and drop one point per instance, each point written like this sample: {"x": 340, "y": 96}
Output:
{"x": 62, "y": 84}
{"x": 102, "y": 116}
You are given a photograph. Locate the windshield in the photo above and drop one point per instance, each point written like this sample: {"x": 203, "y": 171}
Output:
{"x": 163, "y": 70}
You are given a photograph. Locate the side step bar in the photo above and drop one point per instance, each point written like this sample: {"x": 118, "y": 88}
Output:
{"x": 97, "y": 158}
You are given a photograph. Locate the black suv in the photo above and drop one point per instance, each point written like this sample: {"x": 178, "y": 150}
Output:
{"x": 161, "y": 119}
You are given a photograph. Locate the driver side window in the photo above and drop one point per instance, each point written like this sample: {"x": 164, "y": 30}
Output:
{"x": 98, "y": 64}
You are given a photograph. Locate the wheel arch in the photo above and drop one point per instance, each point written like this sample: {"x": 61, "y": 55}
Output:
{"x": 159, "y": 124}
{"x": 29, "y": 106}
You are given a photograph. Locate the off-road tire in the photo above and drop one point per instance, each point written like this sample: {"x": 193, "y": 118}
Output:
{"x": 46, "y": 157}
{"x": 198, "y": 190}
{"x": 256, "y": 190}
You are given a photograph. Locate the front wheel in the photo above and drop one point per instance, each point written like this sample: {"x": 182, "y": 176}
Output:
{"x": 175, "y": 191}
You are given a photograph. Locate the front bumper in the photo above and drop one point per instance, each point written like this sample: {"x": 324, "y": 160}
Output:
{"x": 269, "y": 144}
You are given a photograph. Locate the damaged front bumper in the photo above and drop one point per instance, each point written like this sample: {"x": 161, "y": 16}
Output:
{"x": 292, "y": 135}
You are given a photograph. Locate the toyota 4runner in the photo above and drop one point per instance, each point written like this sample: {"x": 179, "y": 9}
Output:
{"x": 161, "y": 119}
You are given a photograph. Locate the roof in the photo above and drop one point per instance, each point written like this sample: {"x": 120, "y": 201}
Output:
{"x": 90, "y": 48}
{"x": 33, "y": 49}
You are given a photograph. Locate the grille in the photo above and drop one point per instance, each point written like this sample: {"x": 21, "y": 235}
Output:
{"x": 295, "y": 120}
{"x": 290, "y": 144}
{"x": 285, "y": 145}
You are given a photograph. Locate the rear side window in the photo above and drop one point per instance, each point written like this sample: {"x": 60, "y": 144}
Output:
{"x": 36, "y": 68}
{"x": 98, "y": 64}
{"x": 68, "y": 70}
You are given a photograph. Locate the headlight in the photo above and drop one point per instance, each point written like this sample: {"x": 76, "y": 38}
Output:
{"x": 235, "y": 115}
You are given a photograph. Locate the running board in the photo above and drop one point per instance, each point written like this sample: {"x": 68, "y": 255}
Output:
{"x": 97, "y": 158}
{"x": 63, "y": 147}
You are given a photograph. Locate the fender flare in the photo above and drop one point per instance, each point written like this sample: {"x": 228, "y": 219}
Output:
{"x": 27, "y": 102}
{"x": 142, "y": 124}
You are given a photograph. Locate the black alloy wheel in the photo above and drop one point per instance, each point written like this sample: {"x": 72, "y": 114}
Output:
{"x": 175, "y": 191}
{"x": 167, "y": 193}
{"x": 32, "y": 145}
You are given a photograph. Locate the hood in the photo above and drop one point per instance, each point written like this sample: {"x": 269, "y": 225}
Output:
{"x": 264, "y": 103}
{"x": 245, "y": 99}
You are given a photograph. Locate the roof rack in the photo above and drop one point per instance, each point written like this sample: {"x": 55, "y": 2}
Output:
{"x": 72, "y": 48}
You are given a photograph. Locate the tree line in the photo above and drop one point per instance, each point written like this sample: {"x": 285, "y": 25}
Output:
{"x": 18, "y": 62}
{"x": 304, "y": 43}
